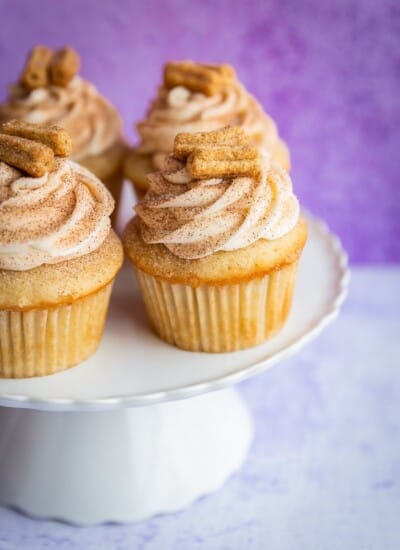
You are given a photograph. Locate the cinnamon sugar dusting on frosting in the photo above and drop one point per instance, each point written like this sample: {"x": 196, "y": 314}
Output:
{"x": 181, "y": 109}
{"x": 92, "y": 122}
{"x": 59, "y": 216}
{"x": 194, "y": 218}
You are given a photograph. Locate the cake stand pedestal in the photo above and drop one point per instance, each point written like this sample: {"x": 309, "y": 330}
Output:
{"x": 143, "y": 428}
{"x": 123, "y": 465}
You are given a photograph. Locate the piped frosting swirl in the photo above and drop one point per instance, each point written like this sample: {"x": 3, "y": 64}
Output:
{"x": 92, "y": 122}
{"x": 194, "y": 218}
{"x": 181, "y": 110}
{"x": 59, "y": 216}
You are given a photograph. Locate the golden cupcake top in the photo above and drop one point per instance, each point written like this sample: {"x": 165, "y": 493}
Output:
{"x": 197, "y": 97}
{"x": 216, "y": 191}
{"x": 50, "y": 91}
{"x": 51, "y": 209}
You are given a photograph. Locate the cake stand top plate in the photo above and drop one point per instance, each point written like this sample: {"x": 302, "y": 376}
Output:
{"x": 133, "y": 367}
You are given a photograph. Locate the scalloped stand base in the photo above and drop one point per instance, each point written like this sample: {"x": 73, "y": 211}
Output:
{"x": 124, "y": 465}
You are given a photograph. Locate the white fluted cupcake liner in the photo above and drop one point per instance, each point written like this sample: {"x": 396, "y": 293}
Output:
{"x": 38, "y": 342}
{"x": 219, "y": 318}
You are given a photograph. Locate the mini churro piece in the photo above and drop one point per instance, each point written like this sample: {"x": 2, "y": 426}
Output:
{"x": 219, "y": 162}
{"x": 185, "y": 143}
{"x": 226, "y": 152}
{"x": 54, "y": 137}
{"x": 207, "y": 79}
{"x": 29, "y": 156}
{"x": 64, "y": 66}
{"x": 35, "y": 72}
{"x": 224, "y": 71}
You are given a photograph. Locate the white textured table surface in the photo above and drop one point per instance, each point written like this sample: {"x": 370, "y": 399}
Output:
{"x": 324, "y": 470}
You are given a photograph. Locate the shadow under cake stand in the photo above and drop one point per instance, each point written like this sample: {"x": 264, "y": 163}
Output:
{"x": 143, "y": 428}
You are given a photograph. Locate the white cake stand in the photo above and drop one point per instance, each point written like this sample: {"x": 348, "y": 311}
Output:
{"x": 142, "y": 427}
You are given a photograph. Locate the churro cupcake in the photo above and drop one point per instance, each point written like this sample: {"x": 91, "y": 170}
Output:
{"x": 58, "y": 253}
{"x": 199, "y": 98}
{"x": 216, "y": 243}
{"x": 50, "y": 91}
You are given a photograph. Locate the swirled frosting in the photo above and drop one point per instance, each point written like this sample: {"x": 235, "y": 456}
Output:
{"x": 180, "y": 110}
{"x": 92, "y": 122}
{"x": 195, "y": 218}
{"x": 59, "y": 216}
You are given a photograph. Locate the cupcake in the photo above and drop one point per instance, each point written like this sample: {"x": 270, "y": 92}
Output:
{"x": 216, "y": 243}
{"x": 198, "y": 98}
{"x": 58, "y": 253}
{"x": 50, "y": 91}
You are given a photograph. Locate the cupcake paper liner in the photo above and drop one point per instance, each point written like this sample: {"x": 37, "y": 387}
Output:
{"x": 38, "y": 342}
{"x": 219, "y": 318}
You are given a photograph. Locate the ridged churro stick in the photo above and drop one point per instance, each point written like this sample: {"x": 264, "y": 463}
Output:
{"x": 225, "y": 152}
{"x": 54, "y": 137}
{"x": 29, "y": 156}
{"x": 64, "y": 66}
{"x": 224, "y": 71}
{"x": 223, "y": 162}
{"x": 35, "y": 72}
{"x": 207, "y": 79}
{"x": 185, "y": 143}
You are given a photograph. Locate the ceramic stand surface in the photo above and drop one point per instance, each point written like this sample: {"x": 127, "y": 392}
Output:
{"x": 122, "y": 465}
{"x": 73, "y": 448}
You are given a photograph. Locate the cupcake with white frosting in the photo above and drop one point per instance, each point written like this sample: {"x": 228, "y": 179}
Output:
{"x": 42, "y": 96}
{"x": 58, "y": 256}
{"x": 216, "y": 242}
{"x": 199, "y": 98}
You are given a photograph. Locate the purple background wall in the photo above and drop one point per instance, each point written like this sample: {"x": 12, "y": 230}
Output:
{"x": 329, "y": 73}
